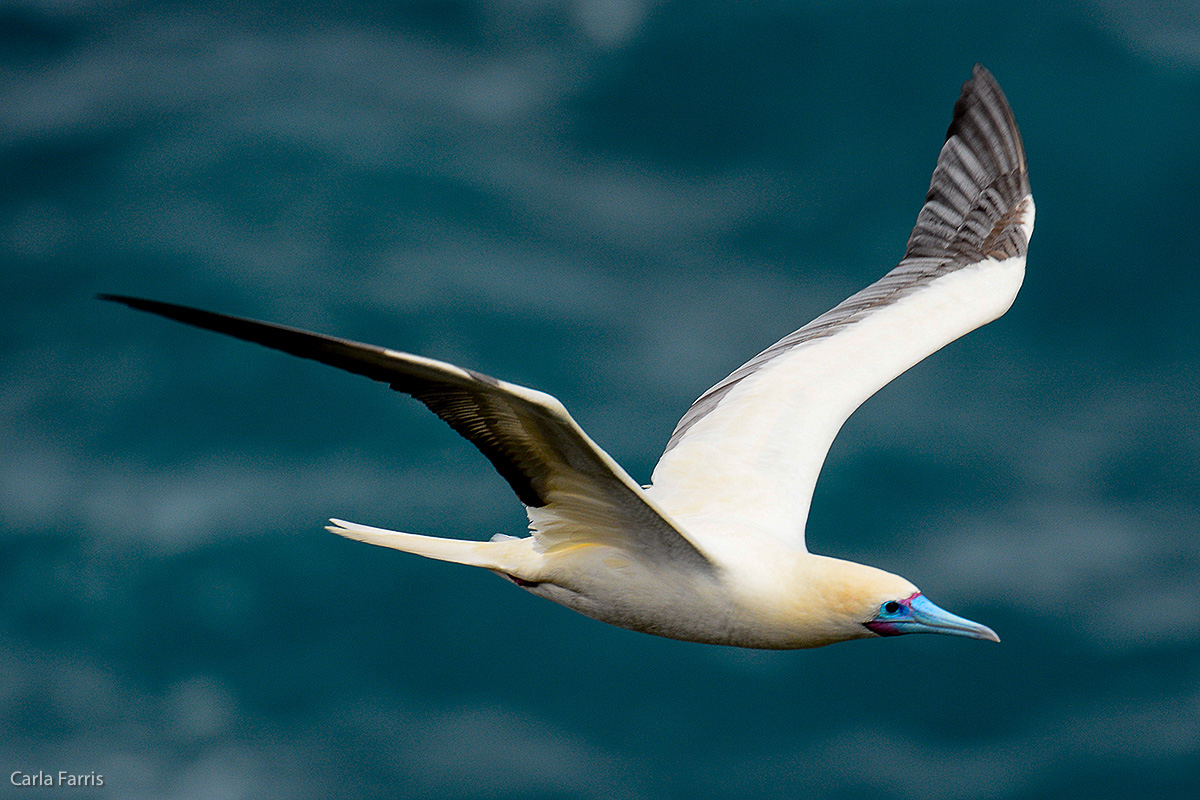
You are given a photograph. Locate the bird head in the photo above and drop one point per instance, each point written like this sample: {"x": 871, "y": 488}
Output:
{"x": 865, "y": 601}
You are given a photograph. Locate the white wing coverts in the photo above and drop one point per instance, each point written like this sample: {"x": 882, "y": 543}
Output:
{"x": 744, "y": 459}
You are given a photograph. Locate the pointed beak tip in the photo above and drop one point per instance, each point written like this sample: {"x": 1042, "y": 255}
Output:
{"x": 929, "y": 618}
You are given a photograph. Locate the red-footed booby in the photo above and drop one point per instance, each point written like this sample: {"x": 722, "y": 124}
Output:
{"x": 713, "y": 550}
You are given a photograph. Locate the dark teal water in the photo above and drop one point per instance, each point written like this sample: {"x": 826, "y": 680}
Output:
{"x": 616, "y": 201}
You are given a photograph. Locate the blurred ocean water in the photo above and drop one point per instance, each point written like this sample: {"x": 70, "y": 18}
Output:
{"x": 618, "y": 202}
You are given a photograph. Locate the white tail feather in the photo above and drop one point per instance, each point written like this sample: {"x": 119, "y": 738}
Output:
{"x": 490, "y": 555}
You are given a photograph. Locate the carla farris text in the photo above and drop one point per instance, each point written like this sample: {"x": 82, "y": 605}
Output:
{"x": 61, "y": 778}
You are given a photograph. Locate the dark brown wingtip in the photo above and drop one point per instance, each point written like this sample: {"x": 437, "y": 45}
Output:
{"x": 976, "y": 202}
{"x": 114, "y": 298}
{"x": 983, "y": 118}
{"x": 982, "y": 87}
{"x": 142, "y": 304}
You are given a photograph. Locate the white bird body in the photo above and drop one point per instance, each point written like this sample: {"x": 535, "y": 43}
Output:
{"x": 714, "y": 549}
{"x": 761, "y": 596}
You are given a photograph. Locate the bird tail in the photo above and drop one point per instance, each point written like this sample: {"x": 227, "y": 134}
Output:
{"x": 494, "y": 555}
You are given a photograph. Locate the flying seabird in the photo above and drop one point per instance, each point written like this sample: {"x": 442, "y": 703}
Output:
{"x": 713, "y": 550}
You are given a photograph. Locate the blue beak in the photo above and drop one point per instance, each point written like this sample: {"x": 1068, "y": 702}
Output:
{"x": 918, "y": 614}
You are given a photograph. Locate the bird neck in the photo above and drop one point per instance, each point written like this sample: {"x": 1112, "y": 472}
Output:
{"x": 827, "y": 600}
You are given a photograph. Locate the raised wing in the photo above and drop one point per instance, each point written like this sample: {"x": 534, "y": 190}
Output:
{"x": 572, "y": 488}
{"x": 745, "y": 457}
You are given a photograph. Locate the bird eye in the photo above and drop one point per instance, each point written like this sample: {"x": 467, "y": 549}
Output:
{"x": 891, "y": 607}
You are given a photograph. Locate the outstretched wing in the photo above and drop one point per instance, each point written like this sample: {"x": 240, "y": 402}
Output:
{"x": 745, "y": 457}
{"x": 574, "y": 490}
